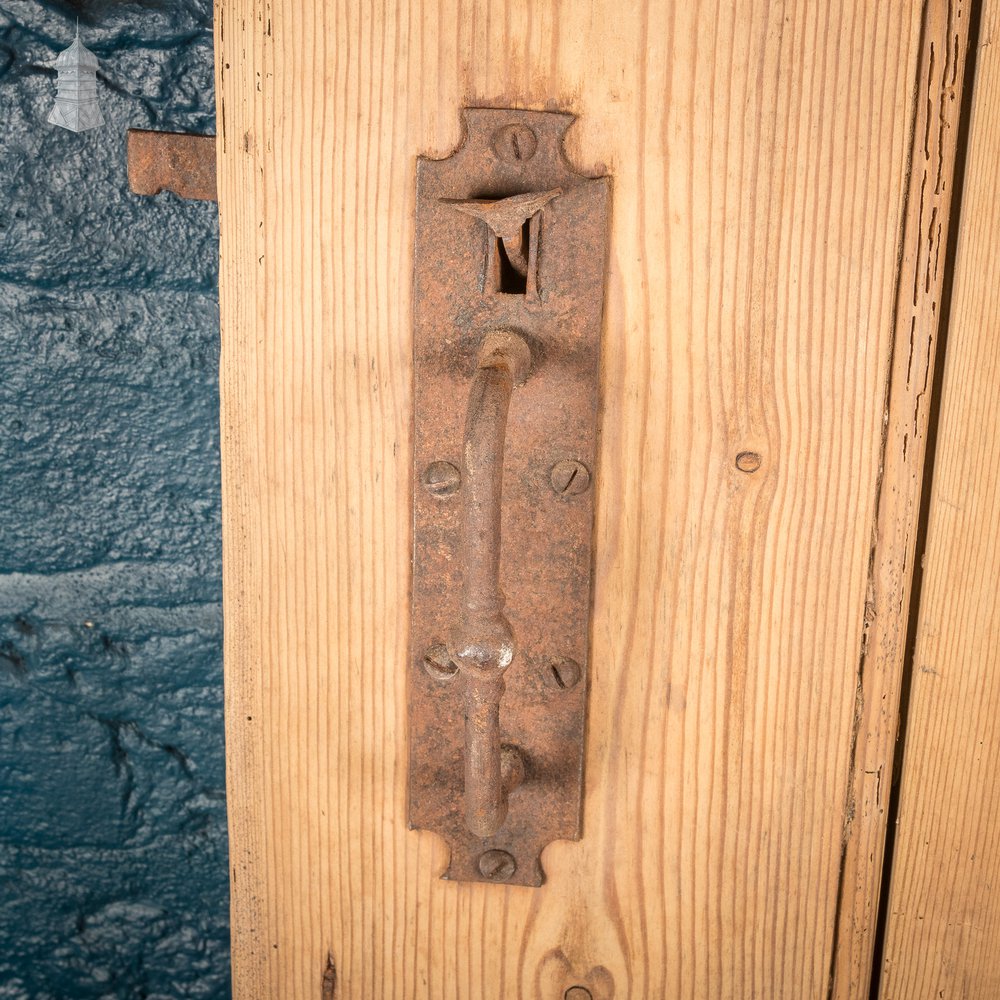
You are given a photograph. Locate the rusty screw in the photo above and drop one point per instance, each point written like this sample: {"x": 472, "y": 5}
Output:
{"x": 569, "y": 477}
{"x": 438, "y": 663}
{"x": 497, "y": 866}
{"x": 564, "y": 673}
{"x": 578, "y": 993}
{"x": 515, "y": 143}
{"x": 442, "y": 479}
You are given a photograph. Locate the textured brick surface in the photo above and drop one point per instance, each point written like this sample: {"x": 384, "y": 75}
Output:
{"x": 113, "y": 878}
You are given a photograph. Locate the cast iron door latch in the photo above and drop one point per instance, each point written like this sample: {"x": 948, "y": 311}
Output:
{"x": 510, "y": 257}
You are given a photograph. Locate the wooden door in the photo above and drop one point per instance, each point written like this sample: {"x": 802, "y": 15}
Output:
{"x": 782, "y": 181}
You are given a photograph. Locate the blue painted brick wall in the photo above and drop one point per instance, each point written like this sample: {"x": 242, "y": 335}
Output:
{"x": 113, "y": 873}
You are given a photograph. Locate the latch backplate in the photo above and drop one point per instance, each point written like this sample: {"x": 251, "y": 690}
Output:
{"x": 467, "y": 281}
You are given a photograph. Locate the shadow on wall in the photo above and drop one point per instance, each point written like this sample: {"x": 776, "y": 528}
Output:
{"x": 113, "y": 871}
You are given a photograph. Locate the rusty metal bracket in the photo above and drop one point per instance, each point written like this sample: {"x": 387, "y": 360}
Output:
{"x": 510, "y": 259}
{"x": 171, "y": 161}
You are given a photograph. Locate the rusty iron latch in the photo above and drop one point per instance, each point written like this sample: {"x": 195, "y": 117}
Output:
{"x": 171, "y": 161}
{"x": 510, "y": 259}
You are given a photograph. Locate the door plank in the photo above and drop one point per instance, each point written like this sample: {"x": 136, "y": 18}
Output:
{"x": 759, "y": 158}
{"x": 943, "y": 911}
{"x": 939, "y": 85}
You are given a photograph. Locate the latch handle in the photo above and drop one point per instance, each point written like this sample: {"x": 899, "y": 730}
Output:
{"x": 482, "y": 644}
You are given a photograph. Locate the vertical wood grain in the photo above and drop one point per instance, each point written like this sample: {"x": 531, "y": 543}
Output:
{"x": 759, "y": 157}
{"x": 943, "y": 920}
{"x": 918, "y": 297}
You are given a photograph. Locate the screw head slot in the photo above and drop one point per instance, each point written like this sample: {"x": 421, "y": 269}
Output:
{"x": 563, "y": 674}
{"x": 496, "y": 865}
{"x": 438, "y": 663}
{"x": 569, "y": 478}
{"x": 514, "y": 143}
{"x": 441, "y": 479}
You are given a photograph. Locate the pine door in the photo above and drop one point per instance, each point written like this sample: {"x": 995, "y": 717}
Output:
{"x": 782, "y": 179}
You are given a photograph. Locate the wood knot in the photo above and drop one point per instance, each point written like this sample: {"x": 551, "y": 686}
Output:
{"x": 748, "y": 461}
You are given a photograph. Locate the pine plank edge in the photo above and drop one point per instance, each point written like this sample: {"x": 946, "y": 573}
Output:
{"x": 937, "y": 103}
{"x": 241, "y": 205}
{"x": 943, "y": 912}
